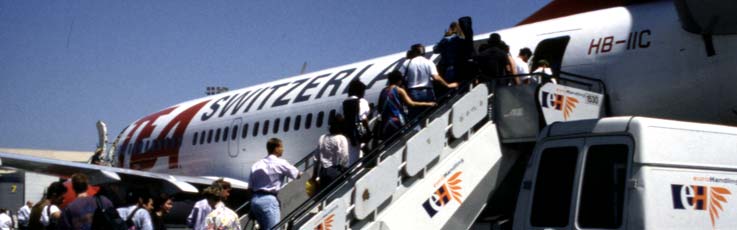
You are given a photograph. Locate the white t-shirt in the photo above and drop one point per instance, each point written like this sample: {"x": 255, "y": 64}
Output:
{"x": 522, "y": 67}
{"x": 333, "y": 150}
{"x": 5, "y": 222}
{"x": 141, "y": 219}
{"x": 45, "y": 214}
{"x": 547, "y": 71}
{"x": 419, "y": 72}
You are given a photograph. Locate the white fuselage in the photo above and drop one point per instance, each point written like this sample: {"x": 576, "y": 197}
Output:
{"x": 650, "y": 67}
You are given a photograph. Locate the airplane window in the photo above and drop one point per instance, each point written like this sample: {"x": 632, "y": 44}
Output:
{"x": 308, "y": 121}
{"x": 331, "y": 116}
{"x": 245, "y": 131}
{"x": 297, "y": 120}
{"x": 217, "y": 135}
{"x": 202, "y": 137}
{"x": 209, "y": 136}
{"x": 255, "y": 129}
{"x": 145, "y": 148}
{"x": 225, "y": 133}
{"x": 266, "y": 127}
{"x": 286, "y": 123}
{"x": 235, "y": 132}
{"x": 276, "y": 126}
{"x": 320, "y": 117}
{"x": 194, "y": 140}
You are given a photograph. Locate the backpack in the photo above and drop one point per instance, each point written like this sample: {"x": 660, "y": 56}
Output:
{"x": 354, "y": 128}
{"x": 129, "y": 219}
{"x": 107, "y": 218}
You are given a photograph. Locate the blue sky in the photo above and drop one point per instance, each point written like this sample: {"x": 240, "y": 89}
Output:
{"x": 66, "y": 64}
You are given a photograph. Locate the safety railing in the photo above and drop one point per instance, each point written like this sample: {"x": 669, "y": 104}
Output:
{"x": 395, "y": 141}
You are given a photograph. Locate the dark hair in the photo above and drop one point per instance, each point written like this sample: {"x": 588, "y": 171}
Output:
{"x": 55, "y": 190}
{"x": 394, "y": 77}
{"x": 79, "y": 182}
{"x": 137, "y": 195}
{"x": 160, "y": 200}
{"x": 272, "y": 144}
{"x": 525, "y": 52}
{"x": 356, "y": 88}
{"x": 337, "y": 124}
{"x": 494, "y": 39}
{"x": 416, "y": 50}
{"x": 222, "y": 183}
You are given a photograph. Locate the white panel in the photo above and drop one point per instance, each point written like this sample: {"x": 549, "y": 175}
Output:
{"x": 376, "y": 186}
{"x": 469, "y": 110}
{"x": 332, "y": 216}
{"x": 458, "y": 174}
{"x": 669, "y": 196}
{"x": 684, "y": 143}
{"x": 425, "y": 145}
{"x": 563, "y": 103}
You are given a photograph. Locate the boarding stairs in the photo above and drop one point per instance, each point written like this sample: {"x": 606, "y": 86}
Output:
{"x": 439, "y": 172}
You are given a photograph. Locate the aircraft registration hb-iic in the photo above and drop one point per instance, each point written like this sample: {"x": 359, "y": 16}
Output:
{"x": 665, "y": 59}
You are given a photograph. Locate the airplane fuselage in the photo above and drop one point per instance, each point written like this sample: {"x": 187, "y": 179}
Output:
{"x": 648, "y": 63}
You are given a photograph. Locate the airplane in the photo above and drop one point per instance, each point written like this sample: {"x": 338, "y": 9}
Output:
{"x": 665, "y": 59}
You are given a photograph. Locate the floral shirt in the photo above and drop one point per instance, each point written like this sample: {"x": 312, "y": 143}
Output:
{"x": 222, "y": 218}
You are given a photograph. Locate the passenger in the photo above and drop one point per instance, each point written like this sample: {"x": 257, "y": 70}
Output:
{"x": 522, "y": 67}
{"x": 138, "y": 215}
{"x": 266, "y": 179}
{"x": 543, "y": 66}
{"x": 511, "y": 65}
{"x": 221, "y": 217}
{"x": 225, "y": 193}
{"x": 6, "y": 223}
{"x": 356, "y": 114}
{"x": 419, "y": 74}
{"x": 449, "y": 48}
{"x": 392, "y": 100}
{"x": 162, "y": 205}
{"x": 23, "y": 214}
{"x": 492, "y": 61}
{"x": 196, "y": 217}
{"x": 78, "y": 214}
{"x": 332, "y": 154}
{"x": 96, "y": 158}
{"x": 39, "y": 216}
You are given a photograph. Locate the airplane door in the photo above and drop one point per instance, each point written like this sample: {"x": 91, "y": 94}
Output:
{"x": 233, "y": 141}
{"x": 550, "y": 50}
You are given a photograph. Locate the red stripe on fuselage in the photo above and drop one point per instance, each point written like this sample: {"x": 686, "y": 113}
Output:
{"x": 562, "y": 8}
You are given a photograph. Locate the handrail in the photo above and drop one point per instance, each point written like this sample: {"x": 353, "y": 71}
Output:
{"x": 444, "y": 105}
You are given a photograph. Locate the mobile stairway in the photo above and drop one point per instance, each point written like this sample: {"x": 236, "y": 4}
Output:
{"x": 439, "y": 172}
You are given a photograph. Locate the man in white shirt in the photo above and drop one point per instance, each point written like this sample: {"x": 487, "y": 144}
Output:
{"x": 418, "y": 76}
{"x": 521, "y": 64}
{"x": 265, "y": 181}
{"x": 24, "y": 214}
{"x": 6, "y": 223}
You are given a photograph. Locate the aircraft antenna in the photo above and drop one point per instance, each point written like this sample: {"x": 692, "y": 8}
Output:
{"x": 304, "y": 67}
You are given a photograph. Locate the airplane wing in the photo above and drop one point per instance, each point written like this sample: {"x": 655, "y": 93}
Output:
{"x": 105, "y": 174}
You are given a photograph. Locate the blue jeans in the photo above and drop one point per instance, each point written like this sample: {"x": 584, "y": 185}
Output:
{"x": 419, "y": 94}
{"x": 265, "y": 209}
